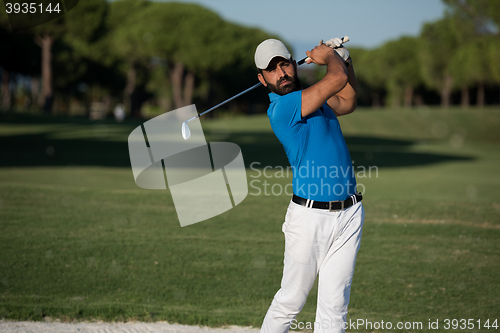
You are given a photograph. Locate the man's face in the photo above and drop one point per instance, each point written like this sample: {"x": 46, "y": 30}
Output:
{"x": 280, "y": 76}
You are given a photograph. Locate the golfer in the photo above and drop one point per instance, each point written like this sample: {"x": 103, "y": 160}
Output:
{"x": 325, "y": 217}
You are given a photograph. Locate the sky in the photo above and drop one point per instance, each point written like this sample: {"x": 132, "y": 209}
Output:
{"x": 301, "y": 24}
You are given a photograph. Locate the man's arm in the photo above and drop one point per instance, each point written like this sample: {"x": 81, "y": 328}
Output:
{"x": 344, "y": 102}
{"x": 334, "y": 81}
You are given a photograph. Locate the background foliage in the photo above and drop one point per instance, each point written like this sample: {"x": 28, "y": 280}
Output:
{"x": 154, "y": 57}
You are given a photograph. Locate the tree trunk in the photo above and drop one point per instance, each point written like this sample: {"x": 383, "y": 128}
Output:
{"x": 446, "y": 91}
{"x": 35, "y": 95}
{"x": 418, "y": 100}
{"x": 129, "y": 88}
{"x": 375, "y": 100}
{"x": 408, "y": 96}
{"x": 480, "y": 94}
{"x": 182, "y": 86}
{"x": 176, "y": 79}
{"x": 188, "y": 88}
{"x": 465, "y": 97}
{"x": 396, "y": 102}
{"x": 45, "y": 44}
{"x": 6, "y": 96}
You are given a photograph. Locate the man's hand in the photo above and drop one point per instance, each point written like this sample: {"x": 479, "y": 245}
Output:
{"x": 343, "y": 53}
{"x": 336, "y": 43}
{"x": 320, "y": 55}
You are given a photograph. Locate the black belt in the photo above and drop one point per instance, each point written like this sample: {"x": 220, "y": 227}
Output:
{"x": 330, "y": 205}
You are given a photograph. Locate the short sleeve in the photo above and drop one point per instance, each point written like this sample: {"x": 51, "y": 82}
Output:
{"x": 286, "y": 113}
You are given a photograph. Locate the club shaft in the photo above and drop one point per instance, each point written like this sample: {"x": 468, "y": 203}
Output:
{"x": 230, "y": 99}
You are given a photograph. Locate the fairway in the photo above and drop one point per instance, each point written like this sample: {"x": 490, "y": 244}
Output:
{"x": 79, "y": 240}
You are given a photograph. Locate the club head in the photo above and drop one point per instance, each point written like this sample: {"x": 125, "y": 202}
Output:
{"x": 186, "y": 132}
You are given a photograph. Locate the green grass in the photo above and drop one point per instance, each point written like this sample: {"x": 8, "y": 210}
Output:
{"x": 80, "y": 240}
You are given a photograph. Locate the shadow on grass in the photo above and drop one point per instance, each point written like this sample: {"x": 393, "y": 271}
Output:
{"x": 93, "y": 148}
{"x": 263, "y": 147}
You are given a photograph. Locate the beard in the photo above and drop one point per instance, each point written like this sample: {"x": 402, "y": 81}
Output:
{"x": 292, "y": 85}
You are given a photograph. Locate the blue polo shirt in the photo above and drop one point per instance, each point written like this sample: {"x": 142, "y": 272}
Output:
{"x": 315, "y": 147}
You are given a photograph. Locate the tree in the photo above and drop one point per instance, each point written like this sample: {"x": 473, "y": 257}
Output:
{"x": 125, "y": 47}
{"x": 18, "y": 54}
{"x": 202, "y": 44}
{"x": 238, "y": 71}
{"x": 493, "y": 54}
{"x": 79, "y": 27}
{"x": 402, "y": 69}
{"x": 439, "y": 42}
{"x": 484, "y": 14}
{"x": 370, "y": 73}
{"x": 185, "y": 42}
{"x": 473, "y": 64}
{"x": 45, "y": 35}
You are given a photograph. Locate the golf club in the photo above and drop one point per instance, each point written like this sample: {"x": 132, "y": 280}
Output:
{"x": 186, "y": 132}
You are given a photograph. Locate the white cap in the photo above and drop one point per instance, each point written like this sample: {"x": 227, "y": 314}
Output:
{"x": 269, "y": 49}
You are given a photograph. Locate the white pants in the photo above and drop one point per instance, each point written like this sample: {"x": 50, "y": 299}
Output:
{"x": 316, "y": 242}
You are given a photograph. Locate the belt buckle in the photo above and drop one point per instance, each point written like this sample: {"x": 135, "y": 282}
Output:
{"x": 330, "y": 205}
